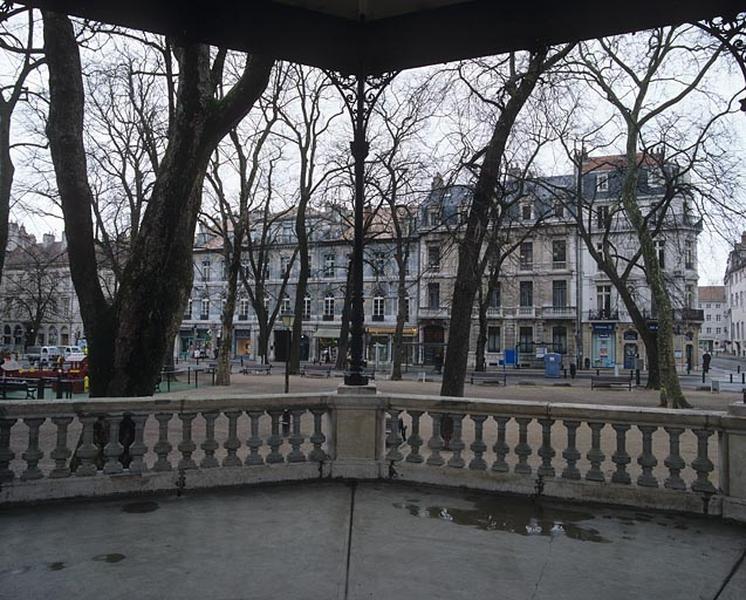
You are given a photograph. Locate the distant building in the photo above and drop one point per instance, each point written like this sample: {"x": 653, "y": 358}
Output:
{"x": 714, "y": 334}
{"x": 735, "y": 295}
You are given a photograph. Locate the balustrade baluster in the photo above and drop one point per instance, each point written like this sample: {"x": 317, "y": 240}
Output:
{"x": 187, "y": 446}
{"x": 546, "y": 452}
{"x": 647, "y": 459}
{"x": 61, "y": 452}
{"x": 571, "y": 453}
{"x": 232, "y": 443}
{"x": 296, "y": 438}
{"x": 162, "y": 447}
{"x": 6, "y": 454}
{"x": 595, "y": 455}
{"x": 673, "y": 461}
{"x": 501, "y": 447}
{"x": 457, "y": 443}
{"x": 317, "y": 438}
{"x": 702, "y": 464}
{"x": 394, "y": 439}
{"x": 621, "y": 457}
{"x": 435, "y": 444}
{"x": 414, "y": 440}
{"x": 210, "y": 445}
{"x": 138, "y": 447}
{"x": 33, "y": 454}
{"x": 254, "y": 442}
{"x": 478, "y": 447}
{"x": 88, "y": 451}
{"x": 113, "y": 449}
{"x": 522, "y": 449}
{"x": 275, "y": 439}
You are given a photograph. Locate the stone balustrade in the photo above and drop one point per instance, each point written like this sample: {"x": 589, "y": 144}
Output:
{"x": 691, "y": 460}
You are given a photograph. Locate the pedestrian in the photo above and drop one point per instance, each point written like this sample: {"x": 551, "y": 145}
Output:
{"x": 706, "y": 358}
{"x": 438, "y": 362}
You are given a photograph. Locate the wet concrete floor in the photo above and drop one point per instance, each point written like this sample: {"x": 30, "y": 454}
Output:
{"x": 373, "y": 540}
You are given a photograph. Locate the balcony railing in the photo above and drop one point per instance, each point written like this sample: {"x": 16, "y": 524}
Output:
{"x": 603, "y": 314}
{"x": 243, "y": 317}
{"x": 204, "y": 317}
{"x": 327, "y": 317}
{"x": 526, "y": 312}
{"x": 495, "y": 312}
{"x": 558, "y": 312}
{"x": 689, "y": 314}
{"x": 643, "y": 457}
{"x": 558, "y": 265}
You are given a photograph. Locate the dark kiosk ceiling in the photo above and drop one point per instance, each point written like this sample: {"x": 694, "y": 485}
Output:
{"x": 373, "y": 36}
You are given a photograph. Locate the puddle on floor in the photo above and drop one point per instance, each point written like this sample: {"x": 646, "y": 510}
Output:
{"x": 56, "y": 566}
{"x": 140, "y": 507}
{"x": 513, "y": 516}
{"x": 114, "y": 557}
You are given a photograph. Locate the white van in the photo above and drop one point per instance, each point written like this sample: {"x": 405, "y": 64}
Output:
{"x": 43, "y": 355}
{"x": 72, "y": 353}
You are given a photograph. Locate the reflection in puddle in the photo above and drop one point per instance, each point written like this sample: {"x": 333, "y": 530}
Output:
{"x": 140, "y": 507}
{"x": 56, "y": 566}
{"x": 114, "y": 557}
{"x": 513, "y": 516}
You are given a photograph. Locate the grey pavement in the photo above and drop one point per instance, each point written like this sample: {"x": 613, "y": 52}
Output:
{"x": 376, "y": 540}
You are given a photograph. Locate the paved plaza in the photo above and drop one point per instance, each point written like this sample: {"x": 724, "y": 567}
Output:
{"x": 385, "y": 540}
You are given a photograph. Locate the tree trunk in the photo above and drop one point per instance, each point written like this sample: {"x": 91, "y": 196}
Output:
{"x": 397, "y": 349}
{"x": 301, "y": 286}
{"x": 468, "y": 279}
{"x": 130, "y": 339}
{"x": 344, "y": 330}
{"x": 223, "y": 374}
{"x": 7, "y": 171}
{"x": 671, "y": 394}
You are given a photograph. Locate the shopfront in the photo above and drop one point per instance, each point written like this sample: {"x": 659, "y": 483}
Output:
{"x": 603, "y": 345}
{"x": 242, "y": 342}
{"x": 326, "y": 340}
{"x": 380, "y": 345}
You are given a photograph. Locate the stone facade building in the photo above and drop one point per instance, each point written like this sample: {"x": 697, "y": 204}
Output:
{"x": 714, "y": 334}
{"x": 735, "y": 295}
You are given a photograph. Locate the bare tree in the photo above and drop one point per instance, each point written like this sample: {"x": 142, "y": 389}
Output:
{"x": 514, "y": 81}
{"x": 21, "y": 57}
{"x": 130, "y": 337}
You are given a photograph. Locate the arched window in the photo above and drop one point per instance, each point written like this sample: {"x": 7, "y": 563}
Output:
{"x": 6, "y": 336}
{"x": 379, "y": 307}
{"x": 329, "y": 307}
{"x": 17, "y": 335}
{"x": 52, "y": 337}
{"x": 307, "y": 307}
{"x": 64, "y": 336}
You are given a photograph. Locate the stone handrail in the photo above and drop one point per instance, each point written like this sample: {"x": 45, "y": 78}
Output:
{"x": 684, "y": 460}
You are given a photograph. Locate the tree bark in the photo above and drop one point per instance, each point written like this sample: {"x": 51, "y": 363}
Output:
{"x": 130, "y": 339}
{"x": 468, "y": 277}
{"x": 302, "y": 284}
{"x": 7, "y": 171}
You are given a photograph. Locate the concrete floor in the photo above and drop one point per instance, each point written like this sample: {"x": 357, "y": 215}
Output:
{"x": 378, "y": 540}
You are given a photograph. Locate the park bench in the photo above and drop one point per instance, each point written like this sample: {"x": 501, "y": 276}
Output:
{"x": 488, "y": 377}
{"x": 316, "y": 370}
{"x": 610, "y": 381}
{"x": 18, "y": 385}
{"x": 256, "y": 368}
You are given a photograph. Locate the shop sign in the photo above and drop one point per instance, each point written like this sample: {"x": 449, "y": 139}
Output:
{"x": 606, "y": 328}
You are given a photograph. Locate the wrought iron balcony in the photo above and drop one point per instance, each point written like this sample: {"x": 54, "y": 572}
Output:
{"x": 689, "y": 314}
{"x": 603, "y": 314}
{"x": 526, "y": 312}
{"x": 558, "y": 312}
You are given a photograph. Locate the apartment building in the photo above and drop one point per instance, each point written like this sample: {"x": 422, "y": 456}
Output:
{"x": 714, "y": 333}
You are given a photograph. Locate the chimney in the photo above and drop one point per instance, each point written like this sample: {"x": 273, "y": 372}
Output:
{"x": 47, "y": 238}
{"x": 743, "y": 238}
{"x": 438, "y": 182}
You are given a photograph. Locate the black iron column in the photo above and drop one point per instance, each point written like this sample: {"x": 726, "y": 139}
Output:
{"x": 360, "y": 94}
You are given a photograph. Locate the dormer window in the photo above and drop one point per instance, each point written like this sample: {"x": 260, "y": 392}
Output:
{"x": 602, "y": 182}
{"x": 526, "y": 211}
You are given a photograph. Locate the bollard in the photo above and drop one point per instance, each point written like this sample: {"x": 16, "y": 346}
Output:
{"x": 565, "y": 370}
{"x": 743, "y": 377}
{"x": 189, "y": 376}
{"x": 597, "y": 373}
{"x": 40, "y": 389}
{"x": 196, "y": 373}
{"x": 731, "y": 377}
{"x": 59, "y": 385}
{"x": 703, "y": 376}
{"x": 637, "y": 376}
{"x": 744, "y": 395}
{"x": 739, "y": 368}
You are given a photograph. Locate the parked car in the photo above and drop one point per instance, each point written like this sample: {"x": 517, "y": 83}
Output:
{"x": 44, "y": 356}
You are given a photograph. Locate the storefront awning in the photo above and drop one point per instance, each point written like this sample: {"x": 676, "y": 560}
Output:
{"x": 408, "y": 331}
{"x": 327, "y": 332}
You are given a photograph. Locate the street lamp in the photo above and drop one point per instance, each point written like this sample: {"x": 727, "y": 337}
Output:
{"x": 287, "y": 321}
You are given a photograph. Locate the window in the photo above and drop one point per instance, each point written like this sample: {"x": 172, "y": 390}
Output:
{"x": 660, "y": 250}
{"x": 204, "y": 312}
{"x": 284, "y": 265}
{"x": 433, "y": 257}
{"x": 495, "y": 296}
{"x": 602, "y": 217}
{"x": 559, "y": 294}
{"x": 526, "y": 261}
{"x": 717, "y": 317}
{"x": 493, "y": 339}
{"x": 433, "y": 295}
{"x": 706, "y": 305}
{"x": 188, "y": 310}
{"x": 559, "y": 254}
{"x": 287, "y": 232}
{"x": 307, "y": 307}
{"x": 379, "y": 307}
{"x": 243, "y": 309}
{"x": 717, "y": 330}
{"x": 328, "y": 307}
{"x": 526, "y": 293}
{"x": 526, "y": 211}
{"x": 379, "y": 264}
{"x": 689, "y": 296}
{"x": 406, "y": 308}
{"x": 689, "y": 255}
{"x": 246, "y": 267}
{"x": 708, "y": 317}
{"x": 6, "y": 335}
{"x": 285, "y": 306}
{"x": 206, "y": 269}
{"x": 709, "y": 330}
{"x": 559, "y": 209}
{"x": 603, "y": 300}
{"x": 434, "y": 216}
{"x": 559, "y": 339}
{"x": 329, "y": 265}
{"x": 602, "y": 182}
{"x": 526, "y": 339}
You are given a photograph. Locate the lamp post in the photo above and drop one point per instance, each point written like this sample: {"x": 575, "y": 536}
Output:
{"x": 287, "y": 321}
